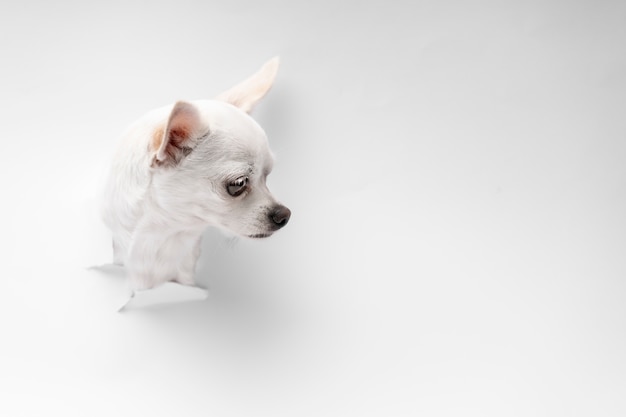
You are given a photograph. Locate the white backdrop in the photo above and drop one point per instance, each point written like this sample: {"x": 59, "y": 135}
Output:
{"x": 457, "y": 180}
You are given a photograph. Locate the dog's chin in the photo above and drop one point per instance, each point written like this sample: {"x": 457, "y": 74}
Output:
{"x": 260, "y": 235}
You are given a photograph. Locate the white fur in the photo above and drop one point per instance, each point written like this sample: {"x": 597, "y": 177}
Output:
{"x": 159, "y": 197}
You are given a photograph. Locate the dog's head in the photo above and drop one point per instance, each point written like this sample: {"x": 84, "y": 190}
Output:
{"x": 210, "y": 161}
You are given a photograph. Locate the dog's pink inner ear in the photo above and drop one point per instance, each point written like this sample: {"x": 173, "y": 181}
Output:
{"x": 177, "y": 139}
{"x": 157, "y": 138}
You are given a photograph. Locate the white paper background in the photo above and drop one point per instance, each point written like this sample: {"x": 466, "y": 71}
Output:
{"x": 457, "y": 180}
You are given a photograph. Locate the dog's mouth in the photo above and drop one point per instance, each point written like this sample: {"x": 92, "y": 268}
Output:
{"x": 260, "y": 235}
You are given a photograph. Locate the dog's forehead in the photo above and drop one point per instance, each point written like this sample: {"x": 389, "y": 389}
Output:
{"x": 229, "y": 121}
{"x": 237, "y": 137}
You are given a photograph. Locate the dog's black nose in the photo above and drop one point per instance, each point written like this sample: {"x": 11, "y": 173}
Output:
{"x": 280, "y": 216}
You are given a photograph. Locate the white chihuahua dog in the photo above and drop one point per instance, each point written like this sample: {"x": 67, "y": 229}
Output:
{"x": 182, "y": 168}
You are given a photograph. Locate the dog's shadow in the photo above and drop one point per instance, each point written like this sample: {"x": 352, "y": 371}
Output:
{"x": 235, "y": 278}
{"x": 278, "y": 117}
{"x": 240, "y": 305}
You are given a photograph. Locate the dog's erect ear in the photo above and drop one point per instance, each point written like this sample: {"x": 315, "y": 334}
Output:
{"x": 247, "y": 94}
{"x": 174, "y": 141}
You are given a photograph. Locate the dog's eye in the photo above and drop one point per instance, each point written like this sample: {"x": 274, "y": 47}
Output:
{"x": 237, "y": 187}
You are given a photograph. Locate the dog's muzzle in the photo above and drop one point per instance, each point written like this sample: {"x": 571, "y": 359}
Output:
{"x": 278, "y": 218}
